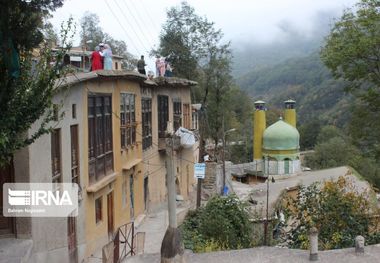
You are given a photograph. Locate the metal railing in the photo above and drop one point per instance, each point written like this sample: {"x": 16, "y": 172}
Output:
{"x": 124, "y": 243}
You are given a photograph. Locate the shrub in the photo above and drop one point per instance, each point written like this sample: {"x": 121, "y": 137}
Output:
{"x": 335, "y": 209}
{"x": 221, "y": 225}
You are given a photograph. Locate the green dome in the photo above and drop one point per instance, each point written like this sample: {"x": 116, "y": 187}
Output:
{"x": 281, "y": 136}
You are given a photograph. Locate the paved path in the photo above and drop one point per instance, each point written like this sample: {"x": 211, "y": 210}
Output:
{"x": 272, "y": 255}
{"x": 155, "y": 225}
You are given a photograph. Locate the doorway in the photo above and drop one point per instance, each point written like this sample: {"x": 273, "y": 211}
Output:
{"x": 6, "y": 223}
{"x": 110, "y": 218}
{"x": 146, "y": 193}
{"x": 72, "y": 239}
{"x": 287, "y": 166}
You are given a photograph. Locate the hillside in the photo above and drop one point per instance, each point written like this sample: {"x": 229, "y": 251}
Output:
{"x": 304, "y": 79}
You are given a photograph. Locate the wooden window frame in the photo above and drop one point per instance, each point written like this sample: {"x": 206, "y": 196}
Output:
{"x": 75, "y": 167}
{"x": 186, "y": 115}
{"x": 177, "y": 114}
{"x": 163, "y": 114}
{"x": 146, "y": 116}
{"x": 56, "y": 156}
{"x": 99, "y": 210}
{"x": 128, "y": 124}
{"x": 100, "y": 143}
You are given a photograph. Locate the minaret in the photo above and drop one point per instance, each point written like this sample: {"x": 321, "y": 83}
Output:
{"x": 290, "y": 112}
{"x": 259, "y": 125}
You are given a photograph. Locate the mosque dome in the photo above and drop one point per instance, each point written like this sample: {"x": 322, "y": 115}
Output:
{"x": 281, "y": 136}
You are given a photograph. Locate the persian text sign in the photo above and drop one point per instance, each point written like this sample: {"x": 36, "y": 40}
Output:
{"x": 40, "y": 200}
{"x": 200, "y": 170}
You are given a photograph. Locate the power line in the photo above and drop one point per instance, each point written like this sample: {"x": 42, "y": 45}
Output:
{"x": 137, "y": 23}
{"x": 125, "y": 31}
{"x": 141, "y": 19}
{"x": 148, "y": 15}
{"x": 133, "y": 29}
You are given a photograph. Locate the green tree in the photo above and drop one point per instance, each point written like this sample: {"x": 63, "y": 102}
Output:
{"x": 308, "y": 133}
{"x": 352, "y": 52}
{"x": 335, "y": 209}
{"x": 222, "y": 224}
{"x": 26, "y": 86}
{"x": 194, "y": 48}
{"x": 334, "y": 152}
{"x": 92, "y": 35}
{"x": 352, "y": 48}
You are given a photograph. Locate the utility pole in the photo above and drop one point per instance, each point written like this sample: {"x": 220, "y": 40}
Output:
{"x": 224, "y": 157}
{"x": 172, "y": 249}
{"x": 266, "y": 160}
{"x": 266, "y": 217}
{"x": 201, "y": 154}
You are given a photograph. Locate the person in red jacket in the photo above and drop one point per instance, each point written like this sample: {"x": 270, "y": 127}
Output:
{"x": 96, "y": 60}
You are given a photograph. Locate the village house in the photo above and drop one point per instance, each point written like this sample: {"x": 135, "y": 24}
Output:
{"x": 110, "y": 141}
{"x": 80, "y": 59}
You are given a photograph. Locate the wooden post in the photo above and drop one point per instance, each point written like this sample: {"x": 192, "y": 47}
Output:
{"x": 199, "y": 192}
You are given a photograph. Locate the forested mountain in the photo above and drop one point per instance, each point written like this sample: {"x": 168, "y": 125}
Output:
{"x": 305, "y": 79}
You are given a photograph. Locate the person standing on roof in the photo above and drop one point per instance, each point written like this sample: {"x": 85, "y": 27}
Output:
{"x": 141, "y": 65}
{"x": 162, "y": 67}
{"x": 96, "y": 60}
{"x": 106, "y": 53}
{"x": 157, "y": 66}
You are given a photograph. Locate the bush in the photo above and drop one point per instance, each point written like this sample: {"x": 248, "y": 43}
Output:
{"x": 221, "y": 225}
{"x": 335, "y": 209}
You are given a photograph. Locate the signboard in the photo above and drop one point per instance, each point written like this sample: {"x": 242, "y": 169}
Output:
{"x": 199, "y": 170}
{"x": 75, "y": 58}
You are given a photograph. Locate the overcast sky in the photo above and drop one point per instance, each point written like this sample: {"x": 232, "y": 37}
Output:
{"x": 138, "y": 22}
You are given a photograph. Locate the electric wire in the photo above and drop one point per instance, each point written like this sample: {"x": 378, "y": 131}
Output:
{"x": 148, "y": 15}
{"x": 131, "y": 26}
{"x": 125, "y": 31}
{"x": 137, "y": 23}
{"x": 148, "y": 28}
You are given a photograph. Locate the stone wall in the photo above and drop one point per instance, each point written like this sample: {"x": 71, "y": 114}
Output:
{"x": 210, "y": 183}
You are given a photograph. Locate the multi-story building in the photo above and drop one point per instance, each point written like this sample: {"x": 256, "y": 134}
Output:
{"x": 110, "y": 142}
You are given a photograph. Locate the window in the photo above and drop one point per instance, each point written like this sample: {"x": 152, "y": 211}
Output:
{"x": 146, "y": 108}
{"x": 74, "y": 111}
{"x": 74, "y": 154}
{"x": 163, "y": 114}
{"x": 194, "y": 118}
{"x": 186, "y": 116}
{"x": 99, "y": 136}
{"x": 56, "y": 155}
{"x": 98, "y": 210}
{"x": 55, "y": 112}
{"x": 127, "y": 120}
{"x": 177, "y": 114}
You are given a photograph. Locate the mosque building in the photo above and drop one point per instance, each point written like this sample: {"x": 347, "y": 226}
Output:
{"x": 276, "y": 148}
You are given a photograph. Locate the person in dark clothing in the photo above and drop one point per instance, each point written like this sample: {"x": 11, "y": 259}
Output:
{"x": 141, "y": 65}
